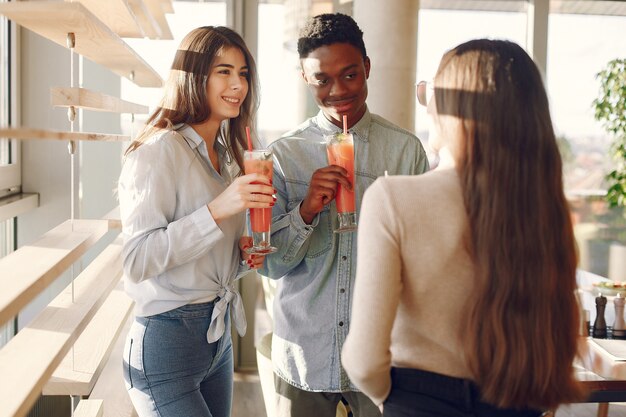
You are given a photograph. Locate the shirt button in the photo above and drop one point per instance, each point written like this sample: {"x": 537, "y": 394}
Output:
{"x": 342, "y": 290}
{"x": 341, "y": 323}
{"x": 344, "y": 257}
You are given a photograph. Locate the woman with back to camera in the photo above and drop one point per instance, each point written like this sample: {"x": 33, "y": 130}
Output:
{"x": 470, "y": 268}
{"x": 182, "y": 202}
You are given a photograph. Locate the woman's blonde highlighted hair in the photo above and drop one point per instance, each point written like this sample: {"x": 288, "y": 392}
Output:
{"x": 523, "y": 318}
{"x": 185, "y": 99}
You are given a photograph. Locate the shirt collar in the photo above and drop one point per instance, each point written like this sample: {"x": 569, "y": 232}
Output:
{"x": 361, "y": 128}
{"x": 194, "y": 139}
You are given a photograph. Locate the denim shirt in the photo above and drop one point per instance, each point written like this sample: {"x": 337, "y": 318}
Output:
{"x": 317, "y": 266}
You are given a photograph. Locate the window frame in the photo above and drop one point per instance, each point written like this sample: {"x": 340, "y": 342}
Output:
{"x": 10, "y": 150}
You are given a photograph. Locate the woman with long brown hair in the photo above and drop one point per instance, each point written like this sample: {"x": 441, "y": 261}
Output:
{"x": 182, "y": 201}
{"x": 470, "y": 268}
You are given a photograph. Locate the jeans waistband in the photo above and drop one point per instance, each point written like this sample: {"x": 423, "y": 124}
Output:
{"x": 462, "y": 392}
{"x": 188, "y": 311}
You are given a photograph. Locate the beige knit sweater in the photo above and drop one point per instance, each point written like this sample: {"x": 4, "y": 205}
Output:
{"x": 412, "y": 281}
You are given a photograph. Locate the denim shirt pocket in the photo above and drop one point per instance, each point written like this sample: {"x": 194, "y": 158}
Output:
{"x": 363, "y": 180}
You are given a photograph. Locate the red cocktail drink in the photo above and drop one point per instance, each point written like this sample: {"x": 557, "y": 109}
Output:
{"x": 340, "y": 151}
{"x": 260, "y": 162}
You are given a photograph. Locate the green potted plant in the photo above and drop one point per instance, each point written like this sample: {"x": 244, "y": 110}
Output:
{"x": 610, "y": 110}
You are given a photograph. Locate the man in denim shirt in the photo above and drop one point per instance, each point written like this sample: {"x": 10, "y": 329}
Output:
{"x": 317, "y": 266}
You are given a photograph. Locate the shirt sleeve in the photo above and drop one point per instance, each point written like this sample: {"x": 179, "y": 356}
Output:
{"x": 367, "y": 359}
{"x": 421, "y": 160}
{"x": 290, "y": 234}
{"x": 154, "y": 241}
{"x": 242, "y": 269}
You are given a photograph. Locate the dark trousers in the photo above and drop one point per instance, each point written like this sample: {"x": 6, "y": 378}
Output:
{"x": 416, "y": 393}
{"x": 294, "y": 402}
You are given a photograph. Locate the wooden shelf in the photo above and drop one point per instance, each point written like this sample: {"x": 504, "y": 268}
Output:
{"x": 114, "y": 218}
{"x": 117, "y": 15}
{"x": 146, "y": 21}
{"x": 89, "y": 408}
{"x": 94, "y": 40}
{"x": 155, "y": 7}
{"x": 78, "y": 372}
{"x": 30, "y": 269}
{"x": 92, "y": 100}
{"x": 17, "y": 204}
{"x": 110, "y": 386}
{"x": 25, "y": 133}
{"x": 28, "y": 360}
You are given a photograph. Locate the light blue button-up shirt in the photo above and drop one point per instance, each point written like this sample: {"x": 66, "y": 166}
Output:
{"x": 317, "y": 266}
{"x": 174, "y": 253}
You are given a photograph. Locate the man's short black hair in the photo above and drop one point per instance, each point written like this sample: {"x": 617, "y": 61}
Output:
{"x": 327, "y": 29}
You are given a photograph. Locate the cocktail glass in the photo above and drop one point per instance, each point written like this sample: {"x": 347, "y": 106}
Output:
{"x": 340, "y": 151}
{"x": 260, "y": 161}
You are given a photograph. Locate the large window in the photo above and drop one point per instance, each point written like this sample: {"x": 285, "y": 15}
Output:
{"x": 187, "y": 16}
{"x": 9, "y": 161}
{"x": 10, "y": 179}
{"x": 579, "y": 46}
{"x": 282, "y": 89}
{"x": 440, "y": 30}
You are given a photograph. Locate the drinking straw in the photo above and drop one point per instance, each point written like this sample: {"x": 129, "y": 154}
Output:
{"x": 248, "y": 136}
{"x": 345, "y": 124}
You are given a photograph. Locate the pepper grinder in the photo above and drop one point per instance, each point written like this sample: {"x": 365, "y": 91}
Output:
{"x": 599, "y": 326}
{"x": 619, "y": 328}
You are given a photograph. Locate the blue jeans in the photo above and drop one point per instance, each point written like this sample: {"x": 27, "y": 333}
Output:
{"x": 417, "y": 393}
{"x": 172, "y": 371}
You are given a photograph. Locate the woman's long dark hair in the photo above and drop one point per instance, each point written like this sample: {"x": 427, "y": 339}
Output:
{"x": 185, "y": 99}
{"x": 523, "y": 320}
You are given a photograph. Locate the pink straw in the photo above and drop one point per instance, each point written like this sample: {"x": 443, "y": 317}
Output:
{"x": 248, "y": 136}
{"x": 345, "y": 124}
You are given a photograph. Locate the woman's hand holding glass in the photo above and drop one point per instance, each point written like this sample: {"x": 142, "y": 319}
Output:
{"x": 254, "y": 261}
{"x": 247, "y": 191}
